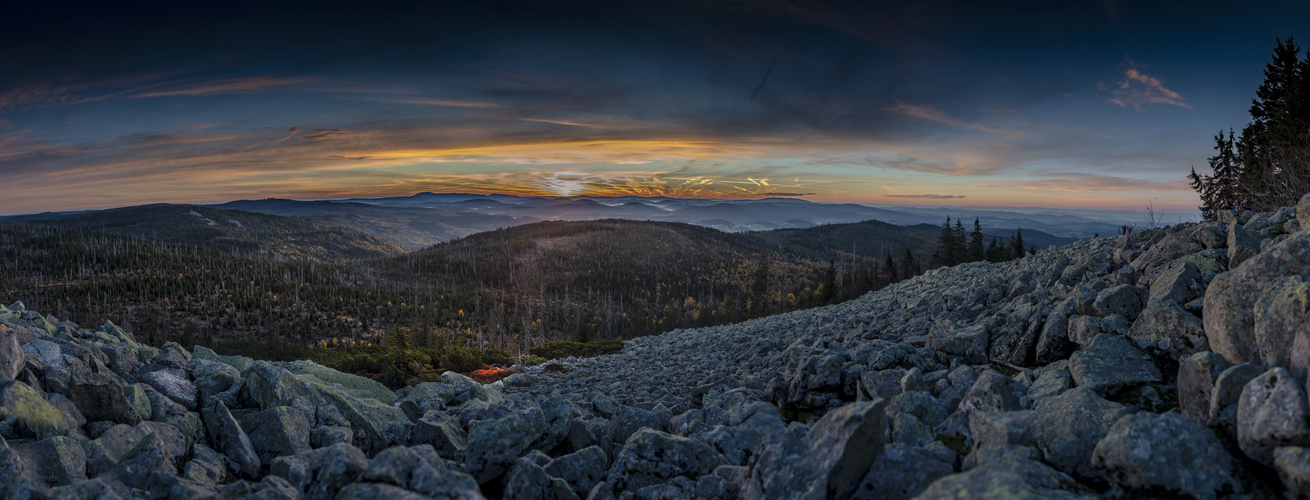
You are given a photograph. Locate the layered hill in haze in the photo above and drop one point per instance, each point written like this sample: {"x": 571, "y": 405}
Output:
{"x": 428, "y": 218}
{"x": 234, "y": 231}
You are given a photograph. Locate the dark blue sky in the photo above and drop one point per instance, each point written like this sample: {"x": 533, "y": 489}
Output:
{"x": 1073, "y": 104}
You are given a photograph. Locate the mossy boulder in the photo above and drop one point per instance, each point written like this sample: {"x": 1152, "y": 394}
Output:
{"x": 33, "y": 415}
{"x": 354, "y": 385}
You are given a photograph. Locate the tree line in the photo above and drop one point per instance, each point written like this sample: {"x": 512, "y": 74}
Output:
{"x": 1267, "y": 164}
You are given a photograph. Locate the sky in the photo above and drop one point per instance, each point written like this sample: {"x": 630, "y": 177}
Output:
{"x": 1079, "y": 104}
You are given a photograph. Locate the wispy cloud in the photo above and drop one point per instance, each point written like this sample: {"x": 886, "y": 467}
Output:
{"x": 226, "y": 86}
{"x": 927, "y": 196}
{"x": 1138, "y": 89}
{"x": 450, "y": 103}
{"x": 935, "y": 115}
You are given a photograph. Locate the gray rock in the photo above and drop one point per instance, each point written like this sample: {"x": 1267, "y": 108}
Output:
{"x": 1166, "y": 329}
{"x": 1293, "y": 464}
{"x": 1272, "y": 412}
{"x": 111, "y": 448}
{"x": 1281, "y": 315}
{"x": 1165, "y": 453}
{"x": 1006, "y": 478}
{"x": 992, "y": 392}
{"x": 652, "y": 457}
{"x": 527, "y": 480}
{"x": 1230, "y": 299}
{"x": 903, "y": 471}
{"x": 229, "y": 438}
{"x": 1124, "y": 300}
{"x": 322, "y": 472}
{"x": 1181, "y": 283}
{"x": 1242, "y": 245}
{"x": 276, "y": 432}
{"x": 968, "y": 344}
{"x": 845, "y": 442}
{"x": 627, "y": 420}
{"x": 57, "y": 460}
{"x": 12, "y": 358}
{"x": 1002, "y": 428}
{"x": 206, "y": 466}
{"x": 1052, "y": 381}
{"x": 212, "y": 377}
{"x": 1067, "y": 428}
{"x": 1053, "y": 344}
{"x": 1197, "y": 374}
{"x": 884, "y": 384}
{"x": 1227, "y": 393}
{"x": 176, "y": 387}
{"x": 446, "y": 436}
{"x": 24, "y": 413}
{"x": 494, "y": 444}
{"x": 1082, "y": 329}
{"x": 1111, "y": 364}
{"x": 907, "y": 429}
{"x": 582, "y": 469}
{"x": 328, "y": 435}
{"x": 927, "y": 409}
{"x": 99, "y": 396}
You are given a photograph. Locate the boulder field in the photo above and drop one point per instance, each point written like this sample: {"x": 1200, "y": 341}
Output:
{"x": 1170, "y": 362}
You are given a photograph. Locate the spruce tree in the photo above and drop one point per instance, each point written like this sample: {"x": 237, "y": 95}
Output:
{"x": 830, "y": 282}
{"x": 976, "y": 250}
{"x": 994, "y": 251}
{"x": 909, "y": 267}
{"x": 1016, "y": 245}
{"x": 947, "y": 249}
{"x": 960, "y": 243}
{"x": 889, "y": 266}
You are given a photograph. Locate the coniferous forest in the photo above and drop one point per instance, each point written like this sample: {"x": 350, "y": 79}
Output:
{"x": 489, "y": 297}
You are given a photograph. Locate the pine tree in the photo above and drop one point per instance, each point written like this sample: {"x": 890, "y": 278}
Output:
{"x": 830, "y": 282}
{"x": 908, "y": 266}
{"x": 1016, "y": 245}
{"x": 994, "y": 251}
{"x": 961, "y": 247}
{"x": 976, "y": 250}
{"x": 947, "y": 249}
{"x": 889, "y": 267}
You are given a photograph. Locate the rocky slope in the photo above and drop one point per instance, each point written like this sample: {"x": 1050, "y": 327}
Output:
{"x": 1171, "y": 362}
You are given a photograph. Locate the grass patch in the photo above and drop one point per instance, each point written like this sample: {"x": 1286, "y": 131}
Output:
{"x": 564, "y": 348}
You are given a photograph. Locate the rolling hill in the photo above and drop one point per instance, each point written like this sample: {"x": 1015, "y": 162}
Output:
{"x": 235, "y": 231}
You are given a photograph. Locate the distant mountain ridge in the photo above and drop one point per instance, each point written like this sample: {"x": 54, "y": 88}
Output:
{"x": 233, "y": 231}
{"x": 424, "y": 219}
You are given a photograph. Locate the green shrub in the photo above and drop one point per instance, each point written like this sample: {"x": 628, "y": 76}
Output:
{"x": 565, "y": 348}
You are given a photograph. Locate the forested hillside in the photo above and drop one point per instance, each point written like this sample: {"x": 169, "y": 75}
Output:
{"x": 236, "y": 231}
{"x": 510, "y": 289}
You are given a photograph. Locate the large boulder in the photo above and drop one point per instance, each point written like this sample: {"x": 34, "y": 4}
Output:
{"x": 992, "y": 392}
{"x": 1282, "y": 325}
{"x": 109, "y": 449}
{"x": 1272, "y": 412}
{"x": 229, "y": 438}
{"x": 1111, "y": 363}
{"x": 1006, "y": 478}
{"x": 1242, "y": 245}
{"x": 175, "y": 386}
{"x": 277, "y": 432}
{"x": 1165, "y": 453}
{"x": 29, "y": 415}
{"x": 528, "y": 480}
{"x": 1231, "y": 298}
{"x": 12, "y": 358}
{"x": 99, "y": 396}
{"x": 322, "y": 473}
{"x": 494, "y": 444}
{"x": 845, "y": 442}
{"x": 1166, "y": 329}
{"x": 1124, "y": 300}
{"x": 1068, "y": 426}
{"x": 968, "y": 344}
{"x": 651, "y": 457}
{"x": 582, "y": 469}
{"x": 1197, "y": 374}
{"x": 1181, "y": 283}
{"x": 1227, "y": 393}
{"x": 903, "y": 471}
{"x": 58, "y": 461}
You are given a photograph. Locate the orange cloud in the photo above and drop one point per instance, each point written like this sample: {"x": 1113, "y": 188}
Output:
{"x": 1138, "y": 89}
